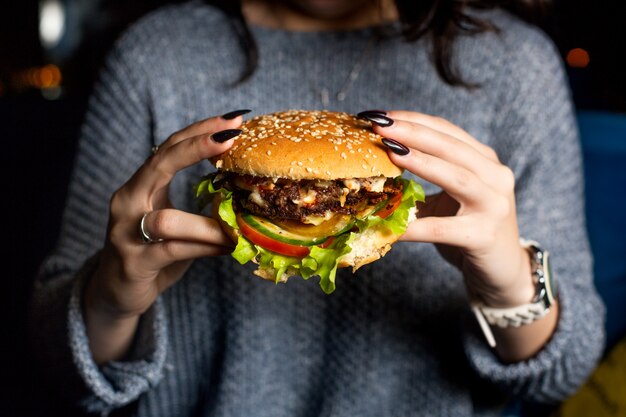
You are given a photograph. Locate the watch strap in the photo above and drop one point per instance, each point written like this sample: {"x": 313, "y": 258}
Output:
{"x": 506, "y": 317}
{"x": 519, "y": 315}
{"x": 514, "y": 316}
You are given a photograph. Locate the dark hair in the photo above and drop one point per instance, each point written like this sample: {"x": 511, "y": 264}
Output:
{"x": 442, "y": 20}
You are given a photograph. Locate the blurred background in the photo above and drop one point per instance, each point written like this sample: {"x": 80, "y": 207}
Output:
{"x": 50, "y": 52}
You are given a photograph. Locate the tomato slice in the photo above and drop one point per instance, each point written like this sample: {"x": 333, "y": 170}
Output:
{"x": 271, "y": 244}
{"x": 327, "y": 243}
{"x": 391, "y": 206}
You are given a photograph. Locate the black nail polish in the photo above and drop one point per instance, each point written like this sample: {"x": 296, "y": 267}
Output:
{"x": 231, "y": 115}
{"x": 396, "y": 147}
{"x": 224, "y": 135}
{"x": 379, "y": 119}
{"x": 376, "y": 112}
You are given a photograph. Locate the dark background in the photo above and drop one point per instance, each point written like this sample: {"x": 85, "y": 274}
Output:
{"x": 39, "y": 123}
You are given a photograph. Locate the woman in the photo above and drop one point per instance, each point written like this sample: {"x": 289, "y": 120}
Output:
{"x": 149, "y": 327}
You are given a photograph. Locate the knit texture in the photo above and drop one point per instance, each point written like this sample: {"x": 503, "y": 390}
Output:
{"x": 395, "y": 339}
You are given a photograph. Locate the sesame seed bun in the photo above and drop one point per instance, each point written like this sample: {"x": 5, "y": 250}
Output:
{"x": 301, "y": 144}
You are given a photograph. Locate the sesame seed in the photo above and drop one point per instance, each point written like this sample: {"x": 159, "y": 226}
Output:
{"x": 269, "y": 152}
{"x": 309, "y": 169}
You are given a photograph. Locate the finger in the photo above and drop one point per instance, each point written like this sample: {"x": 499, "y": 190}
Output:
{"x": 460, "y": 183}
{"x": 441, "y": 145}
{"x": 213, "y": 124}
{"x": 454, "y": 231}
{"x": 161, "y": 255}
{"x": 442, "y": 125}
{"x": 159, "y": 170}
{"x": 171, "y": 224}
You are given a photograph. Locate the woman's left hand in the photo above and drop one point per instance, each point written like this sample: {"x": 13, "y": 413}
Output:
{"x": 473, "y": 219}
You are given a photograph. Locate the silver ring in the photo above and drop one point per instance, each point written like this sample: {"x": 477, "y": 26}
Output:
{"x": 145, "y": 237}
{"x": 155, "y": 149}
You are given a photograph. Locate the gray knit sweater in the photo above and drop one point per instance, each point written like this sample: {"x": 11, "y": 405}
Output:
{"x": 396, "y": 338}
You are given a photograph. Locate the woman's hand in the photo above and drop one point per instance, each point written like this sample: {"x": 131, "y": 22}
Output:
{"x": 133, "y": 272}
{"x": 473, "y": 220}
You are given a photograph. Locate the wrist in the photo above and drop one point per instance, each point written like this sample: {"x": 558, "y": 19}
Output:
{"x": 518, "y": 290}
{"x": 100, "y": 301}
{"x": 110, "y": 332}
{"x": 528, "y": 312}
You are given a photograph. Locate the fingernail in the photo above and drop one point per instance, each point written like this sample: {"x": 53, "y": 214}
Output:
{"x": 379, "y": 119}
{"x": 396, "y": 147}
{"x": 231, "y": 115}
{"x": 376, "y": 112}
{"x": 224, "y": 135}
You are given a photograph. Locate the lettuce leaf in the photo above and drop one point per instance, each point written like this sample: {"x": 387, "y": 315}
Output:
{"x": 324, "y": 261}
{"x": 320, "y": 262}
{"x": 205, "y": 191}
{"x": 245, "y": 251}
{"x": 398, "y": 221}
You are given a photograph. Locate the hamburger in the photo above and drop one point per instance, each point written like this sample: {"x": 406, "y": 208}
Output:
{"x": 303, "y": 193}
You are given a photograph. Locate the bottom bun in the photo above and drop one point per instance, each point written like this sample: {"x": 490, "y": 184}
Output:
{"x": 367, "y": 247}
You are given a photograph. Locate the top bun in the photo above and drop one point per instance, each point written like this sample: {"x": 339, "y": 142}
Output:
{"x": 301, "y": 144}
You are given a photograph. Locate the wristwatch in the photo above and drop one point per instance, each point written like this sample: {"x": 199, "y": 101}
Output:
{"x": 545, "y": 294}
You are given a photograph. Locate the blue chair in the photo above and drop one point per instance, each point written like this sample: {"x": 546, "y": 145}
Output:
{"x": 603, "y": 138}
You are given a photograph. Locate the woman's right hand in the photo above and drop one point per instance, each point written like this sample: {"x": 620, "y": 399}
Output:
{"x": 131, "y": 272}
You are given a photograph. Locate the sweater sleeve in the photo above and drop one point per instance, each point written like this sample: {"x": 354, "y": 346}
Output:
{"x": 537, "y": 135}
{"x": 115, "y": 140}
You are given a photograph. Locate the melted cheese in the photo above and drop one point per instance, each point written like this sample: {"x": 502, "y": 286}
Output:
{"x": 344, "y": 194}
{"x": 256, "y": 198}
{"x": 317, "y": 220}
{"x": 352, "y": 184}
{"x": 372, "y": 184}
{"x": 306, "y": 199}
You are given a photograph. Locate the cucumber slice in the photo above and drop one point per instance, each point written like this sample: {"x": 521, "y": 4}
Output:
{"x": 336, "y": 225}
{"x": 298, "y": 234}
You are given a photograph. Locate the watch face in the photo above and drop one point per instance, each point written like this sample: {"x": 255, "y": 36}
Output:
{"x": 551, "y": 290}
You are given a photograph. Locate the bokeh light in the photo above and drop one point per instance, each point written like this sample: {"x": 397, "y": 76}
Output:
{"x": 578, "y": 58}
{"x": 51, "y": 23}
